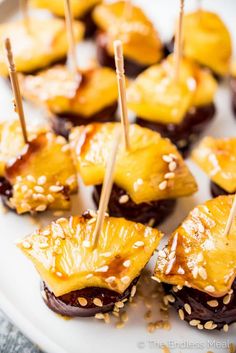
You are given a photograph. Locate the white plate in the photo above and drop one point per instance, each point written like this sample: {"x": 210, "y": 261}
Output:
{"x": 19, "y": 282}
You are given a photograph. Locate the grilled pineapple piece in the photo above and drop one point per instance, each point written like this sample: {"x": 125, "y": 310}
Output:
{"x": 63, "y": 255}
{"x": 78, "y": 7}
{"x": 61, "y": 93}
{"x": 151, "y": 170}
{"x": 133, "y": 28}
{"x": 207, "y": 40}
{"x": 41, "y": 172}
{"x": 156, "y": 96}
{"x": 217, "y": 158}
{"x": 198, "y": 254}
{"x": 44, "y": 44}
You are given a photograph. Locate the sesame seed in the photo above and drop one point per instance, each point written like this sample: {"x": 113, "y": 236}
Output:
{"x": 56, "y": 188}
{"x": 167, "y": 158}
{"x": 194, "y": 322}
{"x": 226, "y": 328}
{"x": 82, "y": 301}
{"x": 123, "y": 199}
{"x": 119, "y": 305}
{"x": 43, "y": 245}
{"x": 138, "y": 244}
{"x": 86, "y": 244}
{"x": 209, "y": 325}
{"x": 97, "y": 302}
{"x": 127, "y": 263}
{"x": 110, "y": 279}
{"x": 65, "y": 148}
{"x": 90, "y": 275}
{"x": 213, "y": 303}
{"x": 92, "y": 220}
{"x": 210, "y": 289}
{"x": 202, "y": 273}
{"x": 46, "y": 232}
{"x": 106, "y": 254}
{"x": 102, "y": 269}
{"x": 133, "y": 291}
{"x": 227, "y": 299}
{"x": 163, "y": 185}
{"x": 42, "y": 180}
{"x": 151, "y": 222}
{"x": 200, "y": 327}
{"x": 187, "y": 308}
{"x": 99, "y": 316}
{"x": 125, "y": 279}
{"x": 41, "y": 208}
{"x": 195, "y": 272}
{"x": 26, "y": 244}
{"x": 172, "y": 166}
{"x": 181, "y": 314}
{"x": 58, "y": 274}
{"x": 39, "y": 189}
{"x": 31, "y": 178}
{"x": 50, "y": 198}
{"x": 24, "y": 188}
{"x": 169, "y": 175}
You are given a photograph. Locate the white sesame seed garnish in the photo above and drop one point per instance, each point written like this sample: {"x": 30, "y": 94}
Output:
{"x": 26, "y": 244}
{"x": 97, "y": 302}
{"x": 187, "y": 308}
{"x": 46, "y": 232}
{"x": 24, "y": 188}
{"x": 92, "y": 220}
{"x": 172, "y": 166}
{"x": 119, "y": 305}
{"x": 138, "y": 244}
{"x": 31, "y": 178}
{"x": 106, "y": 254}
{"x": 39, "y": 189}
{"x": 194, "y": 322}
{"x": 86, "y": 244}
{"x": 202, "y": 273}
{"x": 42, "y": 180}
{"x": 213, "y": 303}
{"x": 41, "y": 208}
{"x": 50, "y": 198}
{"x": 127, "y": 263}
{"x": 56, "y": 188}
{"x": 110, "y": 279}
{"x": 123, "y": 199}
{"x": 167, "y": 158}
{"x": 226, "y": 328}
{"x": 209, "y": 325}
{"x": 200, "y": 327}
{"x": 181, "y": 314}
{"x": 90, "y": 275}
{"x": 195, "y": 272}
{"x": 133, "y": 291}
{"x": 163, "y": 185}
{"x": 102, "y": 269}
{"x": 99, "y": 316}
{"x": 65, "y": 148}
{"x": 58, "y": 274}
{"x": 82, "y": 301}
{"x": 226, "y": 299}
{"x": 169, "y": 175}
{"x": 210, "y": 289}
{"x": 125, "y": 279}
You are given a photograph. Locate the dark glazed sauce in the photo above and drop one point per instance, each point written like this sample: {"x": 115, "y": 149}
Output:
{"x": 216, "y": 190}
{"x": 156, "y": 211}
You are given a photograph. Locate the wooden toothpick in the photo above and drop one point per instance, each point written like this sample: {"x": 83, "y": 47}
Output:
{"x": 72, "y": 59}
{"x": 25, "y": 11}
{"x": 106, "y": 188}
{"x": 119, "y": 61}
{"x": 16, "y": 88}
{"x": 178, "y": 48}
{"x": 231, "y": 218}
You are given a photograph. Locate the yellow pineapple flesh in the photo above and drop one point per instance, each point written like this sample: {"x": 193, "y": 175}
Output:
{"x": 198, "y": 253}
{"x": 156, "y": 96}
{"x": 207, "y": 40}
{"x": 133, "y": 28}
{"x": 34, "y": 49}
{"x": 41, "y": 172}
{"x": 66, "y": 260}
{"x": 141, "y": 170}
{"x": 217, "y": 158}
{"x": 78, "y": 7}
{"x": 60, "y": 92}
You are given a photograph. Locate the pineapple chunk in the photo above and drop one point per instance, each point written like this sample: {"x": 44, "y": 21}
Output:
{"x": 133, "y": 28}
{"x": 139, "y": 171}
{"x": 41, "y": 172}
{"x": 66, "y": 261}
{"x": 45, "y": 43}
{"x": 79, "y": 8}
{"x": 207, "y": 40}
{"x": 217, "y": 158}
{"x": 155, "y": 95}
{"x": 198, "y": 254}
{"x": 61, "y": 93}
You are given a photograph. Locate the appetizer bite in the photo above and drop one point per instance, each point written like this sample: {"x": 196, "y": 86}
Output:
{"x": 148, "y": 178}
{"x": 82, "y": 280}
{"x": 207, "y": 40}
{"x": 179, "y": 110}
{"x": 217, "y": 158}
{"x": 36, "y": 46}
{"x": 198, "y": 266}
{"x": 122, "y": 20}
{"x": 36, "y": 175}
{"x": 233, "y": 85}
{"x": 81, "y": 10}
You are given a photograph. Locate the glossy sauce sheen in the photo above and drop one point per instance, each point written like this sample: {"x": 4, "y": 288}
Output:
{"x": 216, "y": 190}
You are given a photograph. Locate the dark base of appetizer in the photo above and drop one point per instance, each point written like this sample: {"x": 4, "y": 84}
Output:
{"x": 216, "y": 190}
{"x": 152, "y": 213}
{"x": 202, "y": 310}
{"x": 5, "y": 191}
{"x": 81, "y": 302}
{"x": 233, "y": 90}
{"x": 90, "y": 26}
{"x": 132, "y": 68}
{"x": 62, "y": 123}
{"x": 186, "y": 133}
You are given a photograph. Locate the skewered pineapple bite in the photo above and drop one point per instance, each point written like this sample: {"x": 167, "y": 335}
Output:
{"x": 148, "y": 177}
{"x": 199, "y": 266}
{"x": 36, "y": 47}
{"x": 206, "y": 40}
{"x": 71, "y": 102}
{"x": 217, "y": 158}
{"x": 80, "y": 280}
{"x": 38, "y": 175}
{"x": 178, "y": 110}
{"x": 80, "y": 9}
{"x": 122, "y": 20}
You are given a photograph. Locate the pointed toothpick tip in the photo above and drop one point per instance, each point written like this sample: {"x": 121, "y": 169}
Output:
{"x": 72, "y": 58}
{"x": 178, "y": 46}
